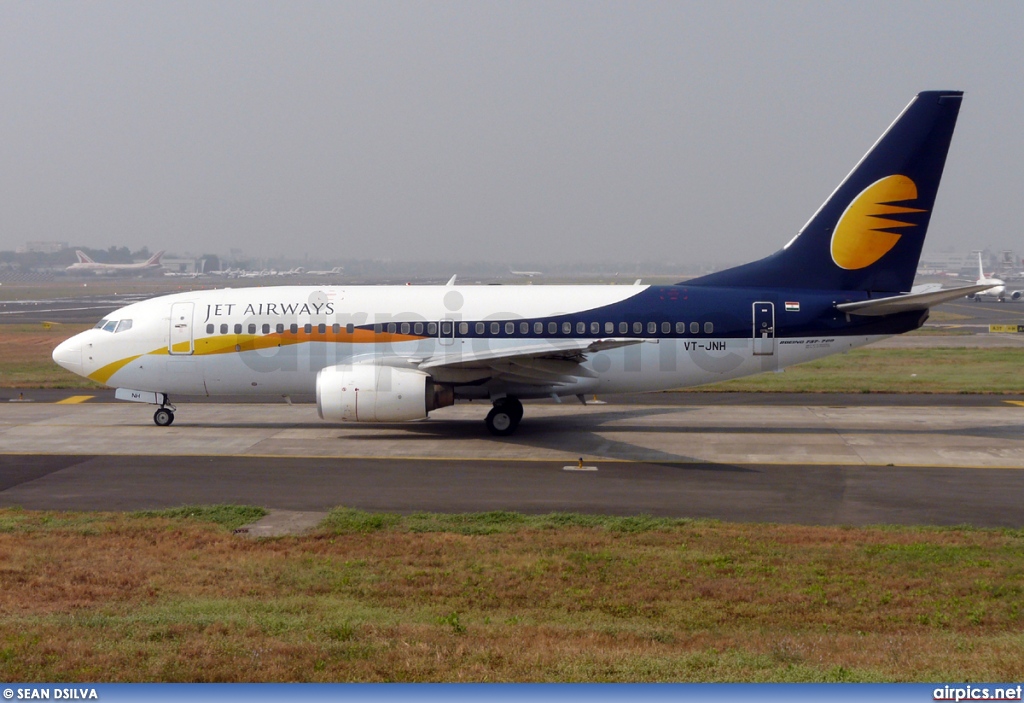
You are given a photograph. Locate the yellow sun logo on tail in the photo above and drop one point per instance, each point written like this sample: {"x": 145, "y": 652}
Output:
{"x": 862, "y": 237}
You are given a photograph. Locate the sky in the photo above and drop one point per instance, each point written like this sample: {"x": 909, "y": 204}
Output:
{"x": 523, "y": 131}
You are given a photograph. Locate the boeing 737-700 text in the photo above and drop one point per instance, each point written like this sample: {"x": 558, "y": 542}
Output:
{"x": 383, "y": 353}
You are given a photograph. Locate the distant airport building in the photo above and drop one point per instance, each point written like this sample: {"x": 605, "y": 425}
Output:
{"x": 946, "y": 262}
{"x": 187, "y": 266}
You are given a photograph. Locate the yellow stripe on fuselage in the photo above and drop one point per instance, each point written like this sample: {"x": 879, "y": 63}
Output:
{"x": 233, "y": 343}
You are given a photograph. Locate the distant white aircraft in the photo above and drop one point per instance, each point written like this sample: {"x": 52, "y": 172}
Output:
{"x": 336, "y": 271}
{"x": 86, "y": 264}
{"x": 998, "y": 289}
{"x": 526, "y": 274}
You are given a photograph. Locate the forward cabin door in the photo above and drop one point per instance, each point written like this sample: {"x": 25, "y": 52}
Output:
{"x": 180, "y": 339}
{"x": 764, "y": 329}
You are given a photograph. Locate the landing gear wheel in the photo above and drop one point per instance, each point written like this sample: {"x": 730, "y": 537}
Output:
{"x": 512, "y": 406}
{"x": 504, "y": 417}
{"x": 163, "y": 417}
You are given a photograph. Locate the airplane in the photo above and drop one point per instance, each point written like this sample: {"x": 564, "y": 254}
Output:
{"x": 336, "y": 271}
{"x": 85, "y": 263}
{"x": 526, "y": 274}
{"x": 396, "y": 353}
{"x": 997, "y": 287}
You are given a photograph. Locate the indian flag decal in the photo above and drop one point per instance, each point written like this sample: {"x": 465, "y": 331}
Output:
{"x": 792, "y": 307}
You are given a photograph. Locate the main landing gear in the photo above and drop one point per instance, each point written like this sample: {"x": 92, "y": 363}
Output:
{"x": 504, "y": 417}
{"x": 163, "y": 417}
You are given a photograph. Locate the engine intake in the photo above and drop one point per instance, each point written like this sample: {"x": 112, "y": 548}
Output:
{"x": 374, "y": 393}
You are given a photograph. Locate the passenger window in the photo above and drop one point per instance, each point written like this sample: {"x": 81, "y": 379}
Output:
{"x": 709, "y": 327}
{"x": 609, "y": 328}
{"x": 418, "y": 328}
{"x": 510, "y": 328}
{"x": 638, "y": 328}
{"x": 321, "y": 328}
{"x": 494, "y": 329}
{"x": 238, "y": 328}
{"x": 431, "y": 328}
{"x": 293, "y": 328}
{"x": 694, "y": 327}
{"x": 280, "y": 328}
{"x": 110, "y": 326}
{"x": 552, "y": 328}
{"x": 680, "y": 328}
{"x": 266, "y": 329}
{"x": 463, "y": 328}
{"x": 538, "y": 328}
{"x": 252, "y": 329}
{"x": 566, "y": 328}
{"x": 307, "y": 328}
{"x": 378, "y": 328}
{"x": 392, "y": 328}
{"x": 524, "y": 328}
{"x": 124, "y": 326}
{"x": 210, "y": 328}
{"x": 595, "y": 328}
{"x": 335, "y": 328}
{"x": 480, "y": 327}
{"x": 652, "y": 327}
{"x": 666, "y": 327}
{"x": 224, "y": 328}
{"x": 581, "y": 328}
{"x": 405, "y": 328}
{"x": 350, "y": 328}
{"x": 447, "y": 327}
{"x": 623, "y": 328}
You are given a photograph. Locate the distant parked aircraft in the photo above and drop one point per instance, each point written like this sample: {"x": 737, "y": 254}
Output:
{"x": 526, "y": 274}
{"x": 998, "y": 289}
{"x": 86, "y": 264}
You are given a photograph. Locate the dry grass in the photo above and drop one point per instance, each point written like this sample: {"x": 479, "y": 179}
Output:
{"x": 26, "y": 357}
{"x": 504, "y": 597}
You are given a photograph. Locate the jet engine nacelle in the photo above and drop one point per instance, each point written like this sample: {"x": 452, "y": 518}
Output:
{"x": 374, "y": 393}
{"x": 1016, "y": 295}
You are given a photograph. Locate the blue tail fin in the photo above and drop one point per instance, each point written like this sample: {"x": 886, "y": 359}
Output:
{"x": 869, "y": 233}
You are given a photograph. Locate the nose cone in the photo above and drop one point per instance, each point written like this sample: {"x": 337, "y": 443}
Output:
{"x": 69, "y": 355}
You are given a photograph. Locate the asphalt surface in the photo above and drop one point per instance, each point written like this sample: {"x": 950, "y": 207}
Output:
{"x": 819, "y": 495}
{"x": 940, "y": 465}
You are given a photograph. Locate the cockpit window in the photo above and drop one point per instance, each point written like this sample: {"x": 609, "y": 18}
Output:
{"x": 123, "y": 326}
{"x": 110, "y": 326}
{"x": 99, "y": 325}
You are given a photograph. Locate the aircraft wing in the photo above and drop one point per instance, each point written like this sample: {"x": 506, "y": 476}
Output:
{"x": 906, "y": 303}
{"x": 542, "y": 364}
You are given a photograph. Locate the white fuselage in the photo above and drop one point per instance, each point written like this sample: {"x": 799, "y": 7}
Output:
{"x": 274, "y": 341}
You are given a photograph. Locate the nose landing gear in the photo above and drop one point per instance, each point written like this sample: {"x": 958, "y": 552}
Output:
{"x": 504, "y": 417}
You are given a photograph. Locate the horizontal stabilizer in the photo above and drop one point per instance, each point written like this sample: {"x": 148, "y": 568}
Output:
{"x": 907, "y": 303}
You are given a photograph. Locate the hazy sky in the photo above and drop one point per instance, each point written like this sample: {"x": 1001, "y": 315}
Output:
{"x": 495, "y": 131}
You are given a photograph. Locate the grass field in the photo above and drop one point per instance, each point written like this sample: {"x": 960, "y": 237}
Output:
{"x": 503, "y": 597}
{"x": 26, "y": 359}
{"x": 937, "y": 370}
